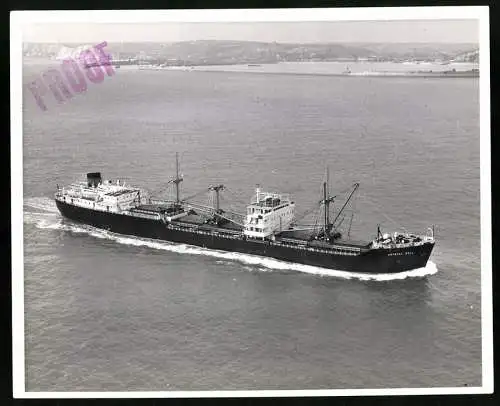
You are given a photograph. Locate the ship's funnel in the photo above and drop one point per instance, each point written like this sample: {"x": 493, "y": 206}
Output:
{"x": 94, "y": 179}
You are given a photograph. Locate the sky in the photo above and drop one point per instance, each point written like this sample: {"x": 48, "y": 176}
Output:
{"x": 411, "y": 31}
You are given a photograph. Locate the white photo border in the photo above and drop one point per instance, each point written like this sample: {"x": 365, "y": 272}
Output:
{"x": 18, "y": 19}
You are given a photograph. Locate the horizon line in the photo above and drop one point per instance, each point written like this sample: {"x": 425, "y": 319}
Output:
{"x": 262, "y": 42}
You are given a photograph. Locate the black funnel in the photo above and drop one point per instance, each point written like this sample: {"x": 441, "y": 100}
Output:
{"x": 94, "y": 179}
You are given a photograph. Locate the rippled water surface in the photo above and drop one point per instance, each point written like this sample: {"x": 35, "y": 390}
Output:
{"x": 107, "y": 312}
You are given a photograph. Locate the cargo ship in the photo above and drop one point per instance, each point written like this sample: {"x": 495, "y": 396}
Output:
{"x": 269, "y": 228}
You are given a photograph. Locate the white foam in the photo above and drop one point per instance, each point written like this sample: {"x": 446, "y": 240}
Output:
{"x": 54, "y": 222}
{"x": 41, "y": 203}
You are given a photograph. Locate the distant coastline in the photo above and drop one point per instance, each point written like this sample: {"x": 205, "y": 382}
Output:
{"x": 335, "y": 69}
{"x": 215, "y": 52}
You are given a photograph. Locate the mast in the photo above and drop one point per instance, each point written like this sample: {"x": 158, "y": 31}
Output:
{"x": 325, "y": 201}
{"x": 216, "y": 189}
{"x": 327, "y": 207}
{"x": 356, "y": 185}
{"x": 177, "y": 179}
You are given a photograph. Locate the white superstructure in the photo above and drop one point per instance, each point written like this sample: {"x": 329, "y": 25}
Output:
{"x": 401, "y": 240}
{"x": 268, "y": 214}
{"x": 96, "y": 194}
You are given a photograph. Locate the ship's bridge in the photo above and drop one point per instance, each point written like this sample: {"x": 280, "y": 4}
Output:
{"x": 268, "y": 214}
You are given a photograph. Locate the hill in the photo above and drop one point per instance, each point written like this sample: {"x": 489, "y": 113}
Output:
{"x": 211, "y": 52}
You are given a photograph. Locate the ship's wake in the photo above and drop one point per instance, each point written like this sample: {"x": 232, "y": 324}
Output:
{"x": 43, "y": 204}
{"x": 43, "y": 214}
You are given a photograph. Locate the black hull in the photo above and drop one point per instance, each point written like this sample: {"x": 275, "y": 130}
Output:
{"x": 371, "y": 261}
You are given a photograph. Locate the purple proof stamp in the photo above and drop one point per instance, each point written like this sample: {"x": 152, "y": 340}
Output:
{"x": 73, "y": 77}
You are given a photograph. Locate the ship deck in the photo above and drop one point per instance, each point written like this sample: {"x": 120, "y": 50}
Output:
{"x": 155, "y": 208}
{"x": 295, "y": 236}
{"x": 196, "y": 219}
{"x": 304, "y": 236}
